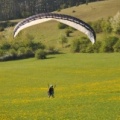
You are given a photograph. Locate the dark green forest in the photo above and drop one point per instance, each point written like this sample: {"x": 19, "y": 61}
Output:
{"x": 14, "y": 9}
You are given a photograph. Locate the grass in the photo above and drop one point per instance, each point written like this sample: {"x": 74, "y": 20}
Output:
{"x": 88, "y": 85}
{"x": 88, "y": 88}
{"x": 94, "y": 10}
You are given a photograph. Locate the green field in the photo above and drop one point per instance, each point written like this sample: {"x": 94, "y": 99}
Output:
{"x": 87, "y": 85}
{"x": 87, "y": 88}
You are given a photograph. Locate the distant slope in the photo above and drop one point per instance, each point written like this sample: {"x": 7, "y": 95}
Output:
{"x": 94, "y": 11}
{"x": 49, "y": 33}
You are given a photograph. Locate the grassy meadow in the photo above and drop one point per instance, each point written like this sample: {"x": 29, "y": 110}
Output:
{"x": 87, "y": 88}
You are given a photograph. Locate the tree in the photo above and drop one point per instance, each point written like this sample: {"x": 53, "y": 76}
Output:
{"x": 116, "y": 47}
{"x": 106, "y": 26}
{"x": 115, "y": 23}
{"x": 40, "y": 54}
{"x": 68, "y": 31}
{"x": 84, "y": 42}
{"x": 108, "y": 44}
{"x": 87, "y": 1}
{"x": 95, "y": 48}
{"x": 63, "y": 40}
{"x": 97, "y": 26}
{"x": 75, "y": 46}
{"x": 62, "y": 26}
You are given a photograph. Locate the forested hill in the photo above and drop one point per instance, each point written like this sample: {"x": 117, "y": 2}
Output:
{"x": 14, "y": 9}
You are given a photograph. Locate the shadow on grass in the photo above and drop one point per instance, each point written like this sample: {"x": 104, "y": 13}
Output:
{"x": 51, "y": 56}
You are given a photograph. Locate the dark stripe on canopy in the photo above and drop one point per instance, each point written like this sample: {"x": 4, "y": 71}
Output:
{"x": 56, "y": 16}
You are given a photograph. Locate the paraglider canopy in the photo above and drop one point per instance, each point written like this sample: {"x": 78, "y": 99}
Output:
{"x": 66, "y": 19}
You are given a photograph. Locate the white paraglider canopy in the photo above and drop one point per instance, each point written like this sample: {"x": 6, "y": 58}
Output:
{"x": 66, "y": 19}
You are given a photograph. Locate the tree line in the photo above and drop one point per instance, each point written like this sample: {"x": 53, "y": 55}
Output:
{"x": 14, "y": 9}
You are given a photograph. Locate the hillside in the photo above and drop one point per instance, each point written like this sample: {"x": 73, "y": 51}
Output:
{"x": 49, "y": 33}
{"x": 95, "y": 10}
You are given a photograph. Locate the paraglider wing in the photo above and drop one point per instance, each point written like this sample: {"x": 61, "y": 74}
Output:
{"x": 66, "y": 19}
